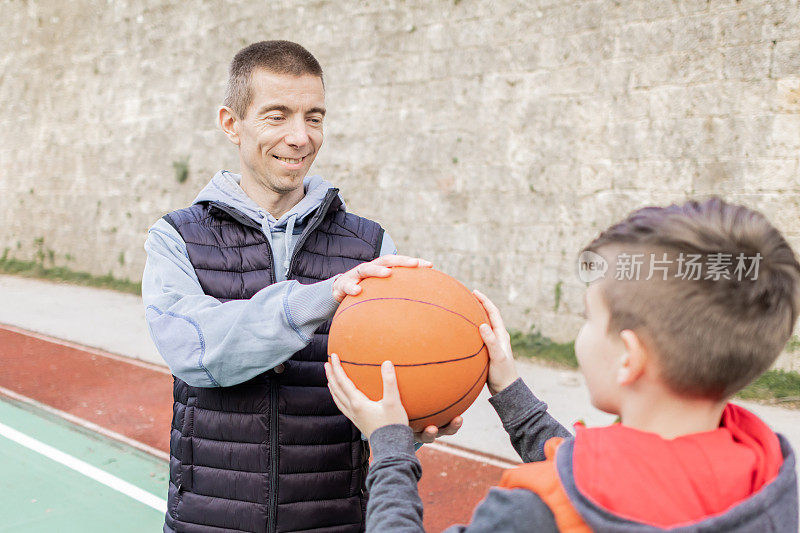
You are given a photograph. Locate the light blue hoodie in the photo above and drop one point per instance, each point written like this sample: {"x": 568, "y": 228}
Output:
{"x": 207, "y": 343}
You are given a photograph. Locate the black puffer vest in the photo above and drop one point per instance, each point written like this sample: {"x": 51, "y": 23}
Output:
{"x": 273, "y": 454}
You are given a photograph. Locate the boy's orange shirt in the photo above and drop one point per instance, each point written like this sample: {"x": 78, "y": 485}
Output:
{"x": 669, "y": 482}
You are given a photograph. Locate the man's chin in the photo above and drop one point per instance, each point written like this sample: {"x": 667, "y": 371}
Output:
{"x": 289, "y": 183}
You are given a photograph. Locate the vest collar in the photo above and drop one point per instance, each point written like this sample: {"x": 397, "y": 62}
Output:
{"x": 331, "y": 203}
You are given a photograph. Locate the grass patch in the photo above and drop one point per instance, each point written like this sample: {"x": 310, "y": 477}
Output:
{"x": 775, "y": 387}
{"x": 181, "y": 167}
{"x": 793, "y": 345}
{"x": 33, "y": 269}
{"x": 536, "y": 346}
{"x": 778, "y": 387}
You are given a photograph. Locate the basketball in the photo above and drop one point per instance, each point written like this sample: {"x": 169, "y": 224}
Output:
{"x": 426, "y": 323}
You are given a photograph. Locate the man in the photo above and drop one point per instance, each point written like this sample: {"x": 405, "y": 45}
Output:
{"x": 239, "y": 289}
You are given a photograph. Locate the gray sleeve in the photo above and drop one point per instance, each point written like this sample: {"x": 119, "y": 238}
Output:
{"x": 208, "y": 343}
{"x": 394, "y": 504}
{"x": 526, "y": 420}
{"x": 509, "y": 511}
{"x": 387, "y": 246}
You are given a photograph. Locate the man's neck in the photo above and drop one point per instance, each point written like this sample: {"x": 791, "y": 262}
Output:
{"x": 274, "y": 202}
{"x": 671, "y": 415}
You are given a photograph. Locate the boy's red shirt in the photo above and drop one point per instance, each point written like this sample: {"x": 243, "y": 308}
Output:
{"x": 644, "y": 477}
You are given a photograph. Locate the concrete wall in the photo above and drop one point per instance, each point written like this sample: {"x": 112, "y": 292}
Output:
{"x": 495, "y": 138}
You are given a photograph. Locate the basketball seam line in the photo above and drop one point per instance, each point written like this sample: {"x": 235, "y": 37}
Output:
{"x": 408, "y": 300}
{"x": 418, "y": 364}
{"x": 455, "y": 402}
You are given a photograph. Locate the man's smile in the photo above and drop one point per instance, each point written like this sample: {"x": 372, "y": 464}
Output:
{"x": 290, "y": 160}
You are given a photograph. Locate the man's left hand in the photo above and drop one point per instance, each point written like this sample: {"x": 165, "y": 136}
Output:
{"x": 431, "y": 433}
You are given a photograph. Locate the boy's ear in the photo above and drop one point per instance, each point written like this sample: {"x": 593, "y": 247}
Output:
{"x": 633, "y": 360}
{"x": 229, "y": 124}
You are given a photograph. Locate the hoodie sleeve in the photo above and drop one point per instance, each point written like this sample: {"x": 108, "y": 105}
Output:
{"x": 394, "y": 503}
{"x": 387, "y": 246}
{"x": 208, "y": 343}
{"x": 526, "y": 420}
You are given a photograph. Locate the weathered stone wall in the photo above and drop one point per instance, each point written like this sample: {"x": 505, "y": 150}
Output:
{"x": 495, "y": 138}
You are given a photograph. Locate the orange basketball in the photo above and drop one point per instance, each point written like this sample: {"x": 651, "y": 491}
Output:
{"x": 426, "y": 323}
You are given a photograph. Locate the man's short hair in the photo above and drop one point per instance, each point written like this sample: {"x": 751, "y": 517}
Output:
{"x": 280, "y": 57}
{"x": 712, "y": 335}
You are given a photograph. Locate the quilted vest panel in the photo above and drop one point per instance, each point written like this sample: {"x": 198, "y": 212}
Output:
{"x": 273, "y": 454}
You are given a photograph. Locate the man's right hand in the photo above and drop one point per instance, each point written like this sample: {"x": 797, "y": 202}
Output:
{"x": 348, "y": 283}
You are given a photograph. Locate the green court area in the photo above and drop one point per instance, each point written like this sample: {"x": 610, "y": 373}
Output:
{"x": 57, "y": 476}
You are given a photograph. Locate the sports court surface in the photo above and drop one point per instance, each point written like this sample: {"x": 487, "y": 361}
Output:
{"x": 84, "y": 443}
{"x": 58, "y": 476}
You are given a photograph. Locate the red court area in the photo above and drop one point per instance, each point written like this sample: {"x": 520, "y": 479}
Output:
{"x": 135, "y": 399}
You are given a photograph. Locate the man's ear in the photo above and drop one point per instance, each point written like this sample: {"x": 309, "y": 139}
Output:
{"x": 229, "y": 124}
{"x": 632, "y": 361}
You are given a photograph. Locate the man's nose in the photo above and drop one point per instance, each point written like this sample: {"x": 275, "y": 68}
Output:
{"x": 298, "y": 134}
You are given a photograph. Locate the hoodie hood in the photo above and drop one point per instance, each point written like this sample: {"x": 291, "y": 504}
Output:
{"x": 740, "y": 476}
{"x": 225, "y": 188}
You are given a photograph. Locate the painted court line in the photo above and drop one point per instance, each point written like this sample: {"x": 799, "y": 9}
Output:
{"x": 439, "y": 447}
{"x": 452, "y": 450}
{"x": 444, "y": 448}
{"x": 84, "y": 468}
{"x": 85, "y": 424}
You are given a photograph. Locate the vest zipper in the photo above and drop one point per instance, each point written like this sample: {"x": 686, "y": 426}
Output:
{"x": 272, "y": 510}
{"x": 273, "y": 390}
{"x": 273, "y": 466}
{"x": 312, "y": 225}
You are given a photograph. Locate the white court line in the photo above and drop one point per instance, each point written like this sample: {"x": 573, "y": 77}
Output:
{"x": 86, "y": 424}
{"x": 439, "y": 447}
{"x": 444, "y": 448}
{"x": 452, "y": 450}
{"x": 85, "y": 468}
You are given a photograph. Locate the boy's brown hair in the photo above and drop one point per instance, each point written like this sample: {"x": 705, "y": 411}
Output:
{"x": 280, "y": 57}
{"x": 712, "y": 335}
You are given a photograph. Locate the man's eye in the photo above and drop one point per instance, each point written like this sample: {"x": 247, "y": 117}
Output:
{"x": 276, "y": 118}
{"x": 315, "y": 120}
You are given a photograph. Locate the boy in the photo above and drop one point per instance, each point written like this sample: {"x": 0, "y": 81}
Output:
{"x": 664, "y": 348}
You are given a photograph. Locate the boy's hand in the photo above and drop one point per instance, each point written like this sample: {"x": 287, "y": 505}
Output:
{"x": 368, "y": 415}
{"x": 502, "y": 371}
{"x": 348, "y": 282}
{"x": 364, "y": 413}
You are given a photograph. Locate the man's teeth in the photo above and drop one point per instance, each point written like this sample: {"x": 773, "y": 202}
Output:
{"x": 289, "y": 160}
